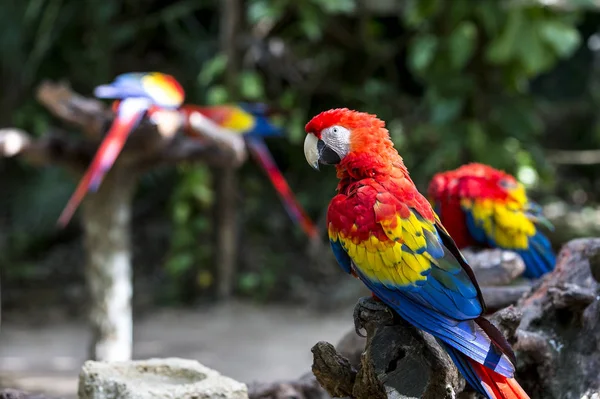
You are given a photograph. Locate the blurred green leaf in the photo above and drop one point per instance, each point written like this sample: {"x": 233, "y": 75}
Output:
{"x": 337, "y": 6}
{"x": 212, "y": 69}
{"x": 421, "y": 52}
{"x": 420, "y": 11}
{"x": 503, "y": 48}
{"x": 562, "y": 38}
{"x": 462, "y": 43}
{"x": 444, "y": 110}
{"x": 251, "y": 86}
{"x": 217, "y": 95}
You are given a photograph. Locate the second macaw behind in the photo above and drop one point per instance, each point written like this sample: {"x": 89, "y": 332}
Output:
{"x": 138, "y": 92}
{"x": 385, "y": 233}
{"x": 251, "y": 120}
{"x": 484, "y": 206}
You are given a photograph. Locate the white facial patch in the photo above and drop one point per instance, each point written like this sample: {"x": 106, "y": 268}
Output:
{"x": 338, "y": 139}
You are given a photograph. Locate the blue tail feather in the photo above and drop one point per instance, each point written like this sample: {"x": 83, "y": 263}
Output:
{"x": 539, "y": 258}
{"x": 465, "y": 368}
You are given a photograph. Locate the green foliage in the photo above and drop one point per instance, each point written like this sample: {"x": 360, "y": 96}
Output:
{"x": 451, "y": 79}
{"x": 475, "y": 60}
{"x": 190, "y": 252}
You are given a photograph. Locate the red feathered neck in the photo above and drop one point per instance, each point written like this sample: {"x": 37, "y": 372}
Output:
{"x": 372, "y": 155}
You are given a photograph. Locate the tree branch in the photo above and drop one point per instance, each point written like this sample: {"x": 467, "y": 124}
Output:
{"x": 154, "y": 141}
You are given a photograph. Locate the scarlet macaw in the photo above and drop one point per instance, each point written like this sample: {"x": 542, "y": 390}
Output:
{"x": 385, "y": 233}
{"x": 488, "y": 207}
{"x": 138, "y": 91}
{"x": 251, "y": 120}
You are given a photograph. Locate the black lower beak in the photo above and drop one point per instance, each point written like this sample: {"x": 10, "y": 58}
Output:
{"x": 327, "y": 156}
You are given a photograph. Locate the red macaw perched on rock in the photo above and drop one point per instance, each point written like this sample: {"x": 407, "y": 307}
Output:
{"x": 488, "y": 207}
{"x": 138, "y": 92}
{"x": 251, "y": 120}
{"x": 385, "y": 233}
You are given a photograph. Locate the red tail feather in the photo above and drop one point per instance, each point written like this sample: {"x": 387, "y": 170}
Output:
{"x": 105, "y": 156}
{"x": 497, "y": 385}
{"x": 261, "y": 153}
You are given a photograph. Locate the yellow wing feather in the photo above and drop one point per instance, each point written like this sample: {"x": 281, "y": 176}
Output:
{"x": 505, "y": 222}
{"x": 385, "y": 260}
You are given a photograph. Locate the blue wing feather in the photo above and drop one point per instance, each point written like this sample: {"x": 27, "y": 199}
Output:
{"x": 262, "y": 126}
{"x": 123, "y": 86}
{"x": 342, "y": 257}
{"x": 539, "y": 257}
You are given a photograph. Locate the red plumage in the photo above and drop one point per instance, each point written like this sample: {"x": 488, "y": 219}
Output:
{"x": 375, "y": 196}
{"x": 470, "y": 181}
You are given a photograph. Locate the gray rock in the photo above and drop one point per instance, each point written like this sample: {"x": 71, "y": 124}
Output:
{"x": 493, "y": 267}
{"x": 170, "y": 378}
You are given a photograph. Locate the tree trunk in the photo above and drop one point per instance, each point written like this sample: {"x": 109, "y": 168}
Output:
{"x": 226, "y": 228}
{"x": 106, "y": 222}
{"x": 225, "y": 178}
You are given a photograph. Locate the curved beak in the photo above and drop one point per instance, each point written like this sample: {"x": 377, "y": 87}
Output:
{"x": 311, "y": 151}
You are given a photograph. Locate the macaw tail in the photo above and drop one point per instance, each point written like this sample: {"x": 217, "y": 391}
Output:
{"x": 128, "y": 116}
{"x": 263, "y": 156}
{"x": 539, "y": 257}
{"x": 486, "y": 381}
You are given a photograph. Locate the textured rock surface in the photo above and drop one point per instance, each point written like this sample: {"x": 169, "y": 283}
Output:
{"x": 17, "y": 394}
{"x": 399, "y": 361}
{"x": 555, "y": 328}
{"x": 494, "y": 267}
{"x": 170, "y": 378}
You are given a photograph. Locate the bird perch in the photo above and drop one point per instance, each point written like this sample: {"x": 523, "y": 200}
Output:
{"x": 106, "y": 214}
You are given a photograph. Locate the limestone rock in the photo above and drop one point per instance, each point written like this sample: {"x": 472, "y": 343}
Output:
{"x": 170, "y": 378}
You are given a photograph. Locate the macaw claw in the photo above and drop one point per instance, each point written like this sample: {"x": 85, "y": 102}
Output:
{"x": 369, "y": 310}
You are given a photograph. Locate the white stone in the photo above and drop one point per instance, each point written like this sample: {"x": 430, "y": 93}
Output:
{"x": 170, "y": 378}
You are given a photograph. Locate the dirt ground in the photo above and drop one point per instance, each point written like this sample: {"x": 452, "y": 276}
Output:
{"x": 244, "y": 341}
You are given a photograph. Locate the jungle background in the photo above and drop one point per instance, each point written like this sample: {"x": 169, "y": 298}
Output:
{"x": 510, "y": 83}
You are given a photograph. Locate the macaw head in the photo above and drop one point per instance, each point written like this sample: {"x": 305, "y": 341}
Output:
{"x": 158, "y": 88}
{"x": 333, "y": 135}
{"x": 484, "y": 181}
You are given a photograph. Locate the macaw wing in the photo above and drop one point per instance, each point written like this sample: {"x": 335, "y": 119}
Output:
{"x": 406, "y": 261}
{"x": 124, "y": 86}
{"x": 498, "y": 223}
{"x": 341, "y": 256}
{"x": 506, "y": 225}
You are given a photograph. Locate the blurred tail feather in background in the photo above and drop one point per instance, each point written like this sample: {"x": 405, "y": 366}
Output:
{"x": 251, "y": 120}
{"x": 138, "y": 92}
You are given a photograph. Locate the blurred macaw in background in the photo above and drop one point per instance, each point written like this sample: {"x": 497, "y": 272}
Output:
{"x": 385, "y": 233}
{"x": 138, "y": 92}
{"x": 251, "y": 120}
{"x": 484, "y": 206}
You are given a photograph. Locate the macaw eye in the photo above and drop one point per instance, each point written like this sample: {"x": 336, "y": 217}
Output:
{"x": 337, "y": 138}
{"x": 336, "y": 134}
{"x": 507, "y": 184}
